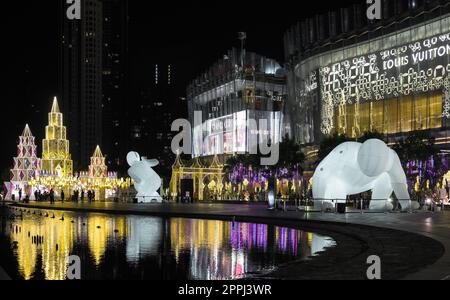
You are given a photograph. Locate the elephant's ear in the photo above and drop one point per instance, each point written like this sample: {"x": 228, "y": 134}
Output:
{"x": 152, "y": 162}
{"x": 132, "y": 158}
{"x": 374, "y": 158}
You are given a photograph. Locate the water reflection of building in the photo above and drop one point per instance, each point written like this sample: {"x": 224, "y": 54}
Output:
{"x": 101, "y": 230}
{"x": 221, "y": 250}
{"x": 57, "y": 240}
{"x": 57, "y": 244}
{"x": 200, "y": 249}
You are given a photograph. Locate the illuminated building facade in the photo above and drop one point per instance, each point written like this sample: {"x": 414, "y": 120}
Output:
{"x": 56, "y": 158}
{"x": 348, "y": 76}
{"x": 26, "y": 166}
{"x": 239, "y": 87}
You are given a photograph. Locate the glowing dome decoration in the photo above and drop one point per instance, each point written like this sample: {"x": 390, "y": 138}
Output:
{"x": 146, "y": 181}
{"x": 26, "y": 166}
{"x": 56, "y": 157}
{"x": 354, "y": 168}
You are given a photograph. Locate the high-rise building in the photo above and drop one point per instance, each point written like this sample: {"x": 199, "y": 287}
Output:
{"x": 56, "y": 157}
{"x": 81, "y": 78}
{"x": 92, "y": 84}
{"x": 158, "y": 107}
{"x": 115, "y": 82}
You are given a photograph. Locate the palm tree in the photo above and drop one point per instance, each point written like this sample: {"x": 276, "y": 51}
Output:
{"x": 414, "y": 152}
{"x": 368, "y": 135}
{"x": 417, "y": 146}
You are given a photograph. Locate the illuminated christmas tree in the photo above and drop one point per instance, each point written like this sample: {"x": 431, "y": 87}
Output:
{"x": 26, "y": 165}
{"x": 56, "y": 158}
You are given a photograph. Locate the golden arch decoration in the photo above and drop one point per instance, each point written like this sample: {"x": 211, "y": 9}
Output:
{"x": 202, "y": 177}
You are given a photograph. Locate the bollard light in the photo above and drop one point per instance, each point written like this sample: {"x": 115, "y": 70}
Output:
{"x": 271, "y": 198}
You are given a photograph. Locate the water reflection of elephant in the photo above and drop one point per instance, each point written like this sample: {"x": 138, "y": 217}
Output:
{"x": 144, "y": 238}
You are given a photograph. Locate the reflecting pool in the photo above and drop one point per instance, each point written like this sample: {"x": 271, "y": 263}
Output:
{"x": 35, "y": 244}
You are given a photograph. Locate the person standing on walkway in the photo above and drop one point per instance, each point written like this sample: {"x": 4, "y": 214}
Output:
{"x": 62, "y": 196}
{"x": 52, "y": 196}
{"x": 20, "y": 195}
{"x": 82, "y": 195}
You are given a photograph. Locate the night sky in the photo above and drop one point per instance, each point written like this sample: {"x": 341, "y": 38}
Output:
{"x": 188, "y": 36}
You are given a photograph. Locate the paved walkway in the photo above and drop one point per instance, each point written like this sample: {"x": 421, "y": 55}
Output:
{"x": 433, "y": 225}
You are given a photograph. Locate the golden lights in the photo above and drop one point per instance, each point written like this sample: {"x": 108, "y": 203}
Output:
{"x": 57, "y": 166}
{"x": 56, "y": 158}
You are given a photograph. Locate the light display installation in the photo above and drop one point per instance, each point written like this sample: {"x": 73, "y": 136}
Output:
{"x": 55, "y": 171}
{"x": 56, "y": 157}
{"x": 146, "y": 181}
{"x": 353, "y": 168}
{"x": 26, "y": 165}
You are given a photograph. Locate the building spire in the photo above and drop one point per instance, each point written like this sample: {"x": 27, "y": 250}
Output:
{"x": 27, "y": 131}
{"x": 98, "y": 152}
{"x": 55, "y": 107}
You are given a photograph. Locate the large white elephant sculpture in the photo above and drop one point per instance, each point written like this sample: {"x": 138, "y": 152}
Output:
{"x": 146, "y": 181}
{"x": 353, "y": 168}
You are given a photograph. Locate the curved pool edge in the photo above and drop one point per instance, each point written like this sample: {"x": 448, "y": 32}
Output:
{"x": 347, "y": 260}
{"x": 3, "y": 275}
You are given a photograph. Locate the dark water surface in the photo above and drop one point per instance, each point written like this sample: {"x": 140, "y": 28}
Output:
{"x": 35, "y": 246}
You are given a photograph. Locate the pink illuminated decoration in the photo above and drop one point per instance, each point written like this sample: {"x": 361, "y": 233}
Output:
{"x": 26, "y": 167}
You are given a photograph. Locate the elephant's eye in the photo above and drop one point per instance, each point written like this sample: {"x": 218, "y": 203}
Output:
{"x": 321, "y": 169}
{"x": 341, "y": 152}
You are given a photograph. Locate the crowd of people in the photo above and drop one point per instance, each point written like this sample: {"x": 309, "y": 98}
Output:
{"x": 77, "y": 196}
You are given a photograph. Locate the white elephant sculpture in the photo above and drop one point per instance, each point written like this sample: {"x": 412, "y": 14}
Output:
{"x": 146, "y": 181}
{"x": 353, "y": 168}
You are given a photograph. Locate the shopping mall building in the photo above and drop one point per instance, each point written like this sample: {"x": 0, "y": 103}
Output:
{"x": 349, "y": 75}
{"x": 240, "y": 87}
